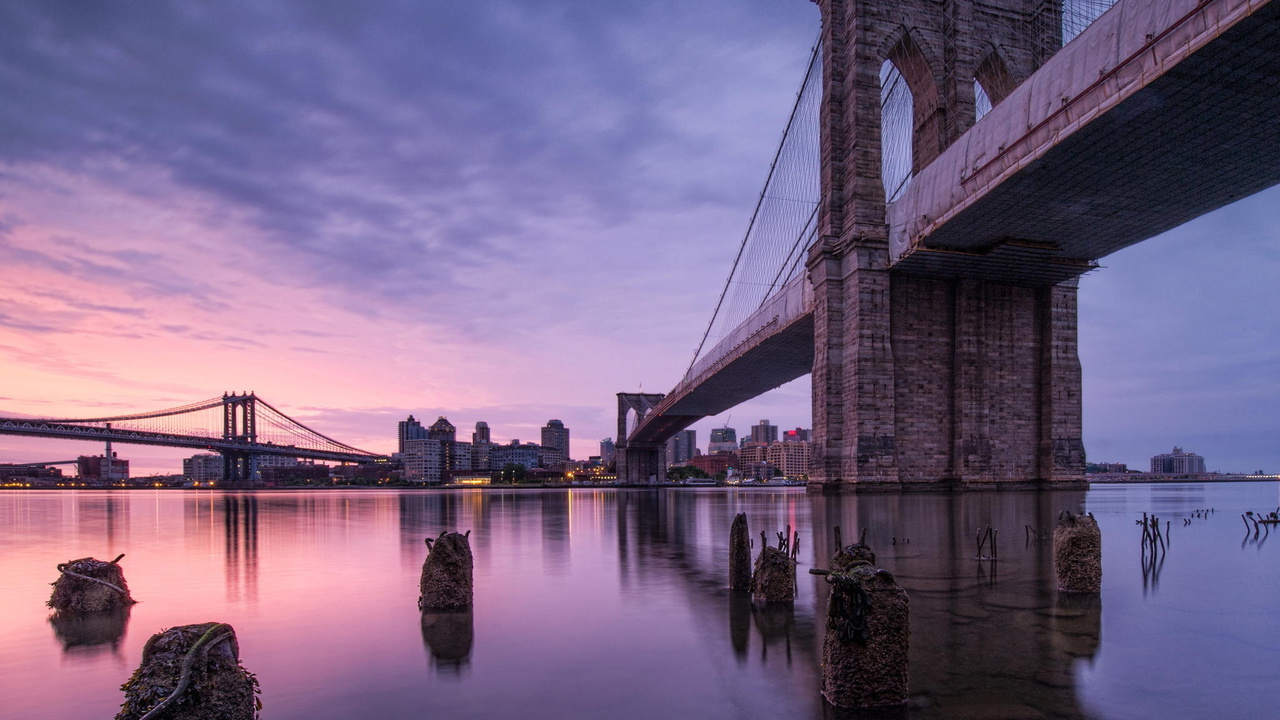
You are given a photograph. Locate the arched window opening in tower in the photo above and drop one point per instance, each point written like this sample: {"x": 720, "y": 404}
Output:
{"x": 897, "y": 115}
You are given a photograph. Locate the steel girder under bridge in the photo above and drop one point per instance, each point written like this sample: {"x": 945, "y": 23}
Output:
{"x": 240, "y": 427}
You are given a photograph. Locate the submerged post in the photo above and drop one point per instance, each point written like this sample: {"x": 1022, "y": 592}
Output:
{"x": 446, "y": 582}
{"x": 1077, "y": 553}
{"x": 868, "y": 632}
{"x": 739, "y": 555}
{"x": 774, "y": 579}
{"x": 89, "y": 585}
{"x": 191, "y": 672}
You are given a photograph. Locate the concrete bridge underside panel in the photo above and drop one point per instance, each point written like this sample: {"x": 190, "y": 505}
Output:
{"x": 1110, "y": 143}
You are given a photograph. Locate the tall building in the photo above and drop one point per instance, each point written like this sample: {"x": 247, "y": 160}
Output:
{"x": 791, "y": 458}
{"x": 608, "y": 451}
{"x": 556, "y": 435}
{"x": 423, "y": 460}
{"x": 682, "y": 447}
{"x": 764, "y": 432}
{"x": 481, "y": 447}
{"x": 723, "y": 439}
{"x": 411, "y": 429}
{"x": 1178, "y": 463}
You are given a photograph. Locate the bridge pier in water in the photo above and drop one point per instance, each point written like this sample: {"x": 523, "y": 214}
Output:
{"x": 953, "y": 371}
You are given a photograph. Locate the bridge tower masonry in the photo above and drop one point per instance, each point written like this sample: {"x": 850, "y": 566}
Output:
{"x": 928, "y": 379}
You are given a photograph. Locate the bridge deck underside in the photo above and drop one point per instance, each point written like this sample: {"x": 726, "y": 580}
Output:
{"x": 1200, "y": 136}
{"x": 772, "y": 361}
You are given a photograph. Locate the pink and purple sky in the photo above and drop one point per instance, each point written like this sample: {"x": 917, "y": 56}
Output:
{"x": 503, "y": 211}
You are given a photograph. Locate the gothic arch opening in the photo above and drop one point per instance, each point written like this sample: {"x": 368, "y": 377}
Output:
{"x": 912, "y": 120}
{"x": 992, "y": 82}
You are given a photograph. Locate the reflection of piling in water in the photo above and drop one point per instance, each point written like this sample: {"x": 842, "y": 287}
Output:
{"x": 1077, "y": 554}
{"x": 739, "y": 554}
{"x": 89, "y": 585}
{"x": 84, "y": 630}
{"x": 447, "y": 573}
{"x": 191, "y": 672}
{"x": 1077, "y": 624}
{"x": 448, "y": 636}
{"x": 740, "y": 607}
{"x": 864, "y": 650}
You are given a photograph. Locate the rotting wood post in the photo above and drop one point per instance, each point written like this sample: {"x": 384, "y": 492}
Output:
{"x": 739, "y": 554}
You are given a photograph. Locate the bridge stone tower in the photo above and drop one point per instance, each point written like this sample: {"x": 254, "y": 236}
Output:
{"x": 919, "y": 379}
{"x": 239, "y": 424}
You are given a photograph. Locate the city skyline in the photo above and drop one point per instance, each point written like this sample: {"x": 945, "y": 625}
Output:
{"x": 506, "y": 213}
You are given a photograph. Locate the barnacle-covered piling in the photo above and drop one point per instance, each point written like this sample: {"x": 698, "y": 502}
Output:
{"x": 868, "y": 632}
{"x": 1077, "y": 554}
{"x": 90, "y": 585}
{"x": 191, "y": 672}
{"x": 446, "y": 582}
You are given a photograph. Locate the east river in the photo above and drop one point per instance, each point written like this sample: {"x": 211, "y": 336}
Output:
{"x": 602, "y": 603}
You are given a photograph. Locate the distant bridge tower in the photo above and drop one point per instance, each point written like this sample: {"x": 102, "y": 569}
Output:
{"x": 239, "y": 424}
{"x": 921, "y": 377}
{"x": 639, "y": 463}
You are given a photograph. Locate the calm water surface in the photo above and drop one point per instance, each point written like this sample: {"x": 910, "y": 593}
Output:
{"x": 614, "y": 603}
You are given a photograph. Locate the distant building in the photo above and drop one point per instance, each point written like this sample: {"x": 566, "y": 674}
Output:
{"x": 608, "y": 451}
{"x": 556, "y": 435}
{"x": 203, "y": 468}
{"x": 764, "y": 432}
{"x": 276, "y": 461}
{"x": 753, "y": 454}
{"x": 1178, "y": 463}
{"x": 515, "y": 453}
{"x": 716, "y": 463}
{"x": 481, "y": 447}
{"x": 423, "y": 460}
{"x": 790, "y": 458}
{"x": 723, "y": 439}
{"x": 798, "y": 435}
{"x": 454, "y": 457}
{"x": 682, "y": 447}
{"x": 411, "y": 429}
{"x": 102, "y": 468}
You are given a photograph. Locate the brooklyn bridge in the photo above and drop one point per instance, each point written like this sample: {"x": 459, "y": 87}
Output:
{"x": 949, "y": 171}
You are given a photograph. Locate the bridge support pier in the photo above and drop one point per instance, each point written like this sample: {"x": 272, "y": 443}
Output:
{"x": 642, "y": 464}
{"x": 923, "y": 382}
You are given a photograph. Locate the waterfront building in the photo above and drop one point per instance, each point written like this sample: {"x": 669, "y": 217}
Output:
{"x": 515, "y": 453}
{"x": 411, "y": 429}
{"x": 556, "y": 435}
{"x": 481, "y": 434}
{"x": 791, "y": 458}
{"x": 423, "y": 460}
{"x": 764, "y": 432}
{"x": 551, "y": 458}
{"x": 202, "y": 468}
{"x": 715, "y": 463}
{"x": 608, "y": 451}
{"x": 1178, "y": 463}
{"x": 682, "y": 447}
{"x": 102, "y": 468}
{"x": 723, "y": 439}
{"x": 276, "y": 461}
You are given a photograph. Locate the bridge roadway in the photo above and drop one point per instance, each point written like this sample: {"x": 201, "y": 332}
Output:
{"x": 1159, "y": 112}
{"x": 70, "y": 431}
